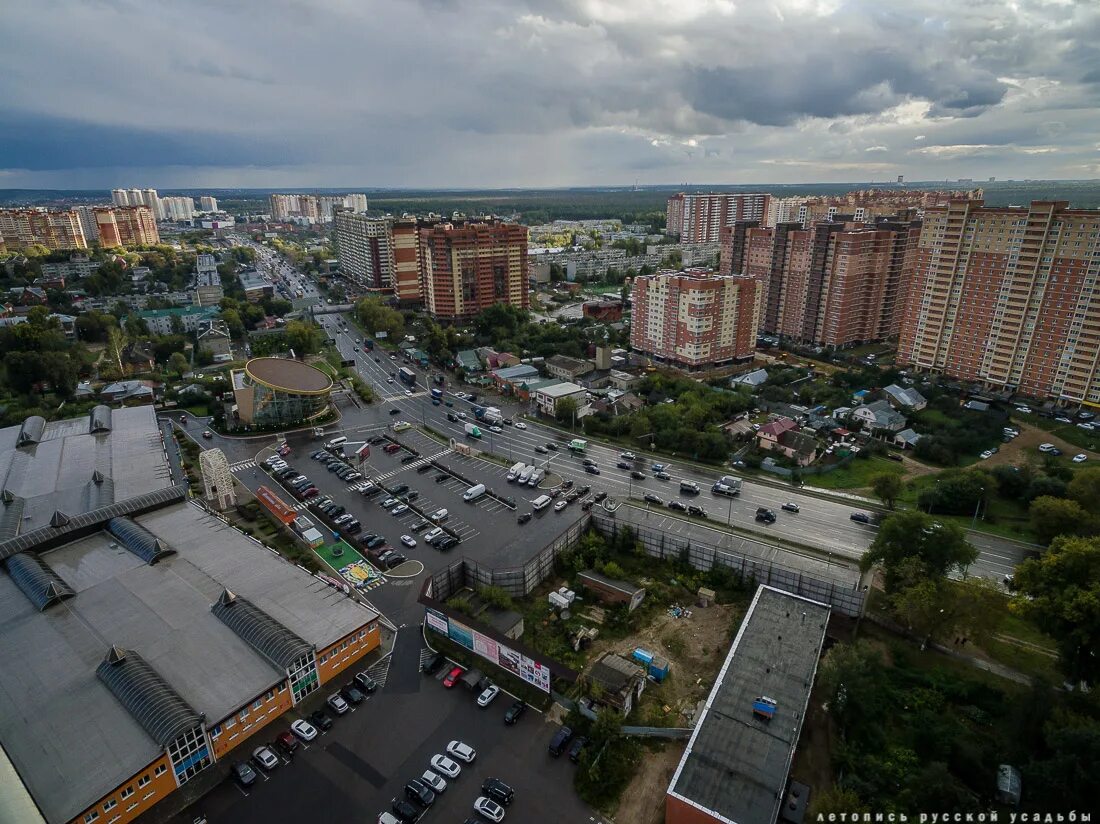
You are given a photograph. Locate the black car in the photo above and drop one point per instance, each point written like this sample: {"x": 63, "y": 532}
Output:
{"x": 541, "y": 450}
{"x": 397, "y": 490}
{"x": 352, "y": 694}
{"x": 409, "y": 459}
{"x": 680, "y": 505}
{"x": 514, "y": 712}
{"x": 365, "y": 682}
{"x": 650, "y": 498}
{"x": 378, "y": 540}
{"x": 592, "y": 470}
{"x": 497, "y": 790}
{"x": 765, "y": 515}
{"x": 587, "y": 505}
{"x": 452, "y": 417}
{"x": 551, "y": 445}
{"x": 420, "y": 470}
{"x": 861, "y": 517}
{"x": 405, "y": 811}
{"x": 447, "y": 543}
{"x": 336, "y": 511}
{"x": 420, "y": 524}
{"x": 321, "y": 721}
{"x": 566, "y": 484}
{"x": 433, "y": 663}
{"x": 420, "y": 793}
{"x": 560, "y": 739}
{"x": 576, "y": 747}
{"x": 697, "y": 511}
{"x": 638, "y": 476}
{"x": 524, "y": 518}
{"x": 244, "y": 774}
{"x": 412, "y": 495}
{"x": 395, "y": 560}
{"x": 623, "y": 465}
{"x": 352, "y": 527}
{"x": 441, "y": 477}
{"x": 584, "y": 490}
{"x": 377, "y": 439}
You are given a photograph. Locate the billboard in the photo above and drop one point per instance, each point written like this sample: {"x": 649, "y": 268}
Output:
{"x": 529, "y": 670}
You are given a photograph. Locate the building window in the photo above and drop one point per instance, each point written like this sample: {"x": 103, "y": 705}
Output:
{"x": 109, "y": 805}
{"x": 160, "y": 770}
{"x": 244, "y": 714}
{"x": 90, "y": 817}
{"x": 270, "y": 695}
{"x": 144, "y": 780}
{"x": 230, "y": 723}
{"x": 323, "y": 658}
{"x": 259, "y": 702}
{"x": 126, "y": 793}
{"x": 214, "y": 732}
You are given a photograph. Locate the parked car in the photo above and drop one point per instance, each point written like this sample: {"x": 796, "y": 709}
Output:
{"x": 243, "y": 774}
{"x": 560, "y": 505}
{"x": 489, "y": 808}
{"x": 318, "y": 719}
{"x": 351, "y": 693}
{"x": 575, "y": 749}
{"x": 514, "y": 712}
{"x": 408, "y": 540}
{"x": 264, "y": 757}
{"x": 650, "y": 498}
{"x": 405, "y": 811}
{"x": 497, "y": 790}
{"x": 680, "y": 505}
{"x": 286, "y": 743}
{"x": 463, "y": 752}
{"x": 400, "y": 509}
{"x": 560, "y": 739}
{"x": 433, "y": 663}
{"x": 419, "y": 793}
{"x": 523, "y": 518}
{"x": 1081, "y": 457}
{"x": 304, "y": 730}
{"x": 337, "y": 704}
{"x": 433, "y": 781}
{"x": 487, "y": 695}
{"x": 452, "y": 677}
{"x": 446, "y": 766}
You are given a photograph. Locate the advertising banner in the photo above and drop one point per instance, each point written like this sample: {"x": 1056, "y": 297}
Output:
{"x": 530, "y": 671}
{"x": 437, "y": 621}
{"x": 485, "y": 646}
{"x": 460, "y": 634}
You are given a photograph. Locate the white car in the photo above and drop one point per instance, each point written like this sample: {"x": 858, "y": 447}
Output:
{"x": 337, "y": 704}
{"x": 408, "y": 392}
{"x": 489, "y": 808}
{"x": 1023, "y": 410}
{"x": 986, "y": 454}
{"x": 389, "y": 380}
{"x": 461, "y": 416}
{"x": 486, "y": 697}
{"x": 1046, "y": 447}
{"x": 1080, "y": 458}
{"x": 265, "y": 758}
{"x": 463, "y": 752}
{"x": 520, "y": 425}
{"x": 560, "y": 505}
{"x": 436, "y": 783}
{"x": 304, "y": 730}
{"x": 445, "y": 766}
{"x": 496, "y": 429}
{"x": 400, "y": 509}
{"x": 408, "y": 540}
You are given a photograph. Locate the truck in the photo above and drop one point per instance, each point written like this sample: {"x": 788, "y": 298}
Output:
{"x": 472, "y": 431}
{"x": 369, "y": 343}
{"x": 536, "y": 478}
{"x": 578, "y": 445}
{"x": 407, "y": 376}
{"x": 437, "y": 394}
{"x": 491, "y": 415}
{"x": 347, "y": 362}
{"x": 525, "y": 474}
{"x": 473, "y": 493}
{"x": 727, "y": 485}
{"x": 513, "y": 473}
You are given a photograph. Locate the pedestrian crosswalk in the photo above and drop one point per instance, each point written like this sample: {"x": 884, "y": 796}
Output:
{"x": 241, "y": 465}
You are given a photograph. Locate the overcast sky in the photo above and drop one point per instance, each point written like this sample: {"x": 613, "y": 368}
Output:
{"x": 497, "y": 93}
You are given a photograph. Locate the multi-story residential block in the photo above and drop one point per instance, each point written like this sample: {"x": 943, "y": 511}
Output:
{"x": 75, "y": 268}
{"x": 208, "y": 283}
{"x": 698, "y": 218}
{"x": 1007, "y": 296}
{"x": 86, "y": 216}
{"x": 55, "y": 230}
{"x": 406, "y": 259}
{"x": 126, "y": 226}
{"x": 364, "y": 247}
{"x": 468, "y": 266}
{"x": 208, "y": 203}
{"x": 177, "y": 208}
{"x": 694, "y": 319}
{"x": 314, "y": 208}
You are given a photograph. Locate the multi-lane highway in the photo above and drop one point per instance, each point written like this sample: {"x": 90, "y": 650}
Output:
{"x": 821, "y": 523}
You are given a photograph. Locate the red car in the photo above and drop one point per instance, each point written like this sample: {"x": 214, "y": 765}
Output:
{"x": 309, "y": 493}
{"x": 452, "y": 677}
{"x": 389, "y": 449}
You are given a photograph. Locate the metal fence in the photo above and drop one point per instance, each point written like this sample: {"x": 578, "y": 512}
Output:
{"x": 845, "y": 597}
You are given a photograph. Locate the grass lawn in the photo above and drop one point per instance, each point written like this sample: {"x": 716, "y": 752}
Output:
{"x": 1000, "y": 516}
{"x": 855, "y": 475}
{"x": 350, "y": 556}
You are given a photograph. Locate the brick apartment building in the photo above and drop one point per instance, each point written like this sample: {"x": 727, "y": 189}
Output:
{"x": 1007, "y": 296}
{"x": 863, "y": 205}
{"x": 364, "y": 246}
{"x": 55, "y": 230}
{"x": 694, "y": 319}
{"x": 698, "y": 218}
{"x": 836, "y": 283}
{"x": 126, "y": 226}
{"x": 468, "y": 266}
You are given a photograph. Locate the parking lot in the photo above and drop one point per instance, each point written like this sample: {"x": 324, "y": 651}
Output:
{"x": 353, "y": 772}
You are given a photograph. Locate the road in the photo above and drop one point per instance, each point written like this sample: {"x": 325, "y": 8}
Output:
{"x": 821, "y": 523}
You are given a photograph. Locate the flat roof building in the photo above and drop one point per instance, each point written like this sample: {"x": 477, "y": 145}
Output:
{"x": 734, "y": 769}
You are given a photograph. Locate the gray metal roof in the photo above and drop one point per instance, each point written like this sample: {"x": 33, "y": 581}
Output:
{"x": 735, "y": 765}
{"x": 31, "y": 431}
{"x": 37, "y": 581}
{"x": 150, "y": 699}
{"x": 99, "y": 419}
{"x": 259, "y": 630}
{"x": 139, "y": 540}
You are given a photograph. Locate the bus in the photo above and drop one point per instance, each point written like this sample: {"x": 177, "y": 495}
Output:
{"x": 407, "y": 375}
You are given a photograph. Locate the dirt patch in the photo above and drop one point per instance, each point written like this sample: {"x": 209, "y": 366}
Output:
{"x": 643, "y": 801}
{"x": 1025, "y": 448}
{"x": 695, "y": 646}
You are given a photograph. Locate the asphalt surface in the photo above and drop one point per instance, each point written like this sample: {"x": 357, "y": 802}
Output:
{"x": 354, "y": 771}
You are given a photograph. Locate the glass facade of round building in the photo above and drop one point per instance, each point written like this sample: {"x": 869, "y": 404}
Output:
{"x": 280, "y": 392}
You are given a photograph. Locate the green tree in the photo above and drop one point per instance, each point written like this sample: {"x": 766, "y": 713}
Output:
{"x": 376, "y": 317}
{"x": 1060, "y": 593}
{"x": 116, "y": 343}
{"x": 852, "y": 687}
{"x": 233, "y": 322}
{"x": 177, "y": 363}
{"x": 835, "y": 800}
{"x": 1051, "y": 517}
{"x": 304, "y": 338}
{"x": 938, "y": 547}
{"x": 565, "y": 409}
{"x": 887, "y": 486}
{"x": 1085, "y": 489}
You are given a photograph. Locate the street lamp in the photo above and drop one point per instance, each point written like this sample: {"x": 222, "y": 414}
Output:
{"x": 977, "y": 506}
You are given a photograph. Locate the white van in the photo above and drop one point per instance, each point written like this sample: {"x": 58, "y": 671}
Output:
{"x": 541, "y": 502}
{"x": 525, "y": 474}
{"x": 473, "y": 493}
{"x": 513, "y": 473}
{"x": 536, "y": 476}
{"x": 439, "y": 515}
{"x": 335, "y": 442}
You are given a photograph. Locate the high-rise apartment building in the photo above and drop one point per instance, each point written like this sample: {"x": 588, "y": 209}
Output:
{"x": 177, "y": 208}
{"x": 405, "y": 235}
{"x": 468, "y": 266}
{"x": 126, "y": 226}
{"x": 694, "y": 319}
{"x": 314, "y": 208}
{"x": 59, "y": 229}
{"x": 86, "y": 216}
{"x": 120, "y": 197}
{"x": 208, "y": 203}
{"x": 698, "y": 218}
{"x": 364, "y": 247}
{"x": 833, "y": 284}
{"x": 1009, "y": 297}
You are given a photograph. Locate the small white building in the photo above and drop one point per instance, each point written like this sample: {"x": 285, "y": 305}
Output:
{"x": 546, "y": 400}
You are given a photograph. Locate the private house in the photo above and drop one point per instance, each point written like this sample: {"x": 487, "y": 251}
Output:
{"x": 127, "y": 390}
{"x": 546, "y": 399}
{"x": 752, "y": 379}
{"x": 507, "y": 379}
{"x": 905, "y": 397}
{"x": 138, "y": 356}
{"x": 611, "y": 591}
{"x": 879, "y": 416}
{"x": 620, "y": 682}
{"x": 561, "y": 366}
{"x": 906, "y": 439}
{"x": 798, "y": 446}
{"x": 214, "y": 336}
{"x": 768, "y": 435}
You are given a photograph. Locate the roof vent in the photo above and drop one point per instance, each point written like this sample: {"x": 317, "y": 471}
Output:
{"x": 59, "y": 519}
{"x": 97, "y": 476}
{"x": 6, "y": 497}
{"x": 116, "y": 655}
{"x": 227, "y": 598}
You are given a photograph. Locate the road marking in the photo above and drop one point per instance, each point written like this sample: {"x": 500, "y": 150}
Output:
{"x": 239, "y": 465}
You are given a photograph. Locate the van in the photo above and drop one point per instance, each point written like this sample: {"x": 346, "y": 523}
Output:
{"x": 335, "y": 442}
{"x": 473, "y": 493}
{"x": 560, "y": 739}
{"x": 439, "y": 515}
{"x": 541, "y": 502}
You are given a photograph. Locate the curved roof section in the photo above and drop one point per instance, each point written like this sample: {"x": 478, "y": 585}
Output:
{"x": 159, "y": 709}
{"x": 99, "y": 420}
{"x": 42, "y": 586}
{"x": 285, "y": 375}
{"x": 260, "y": 631}
{"x": 139, "y": 540}
{"x": 31, "y": 431}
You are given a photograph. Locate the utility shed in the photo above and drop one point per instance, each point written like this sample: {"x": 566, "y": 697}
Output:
{"x": 611, "y": 591}
{"x": 735, "y": 767}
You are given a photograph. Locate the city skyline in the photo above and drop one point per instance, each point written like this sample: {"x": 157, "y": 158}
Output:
{"x": 538, "y": 94}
